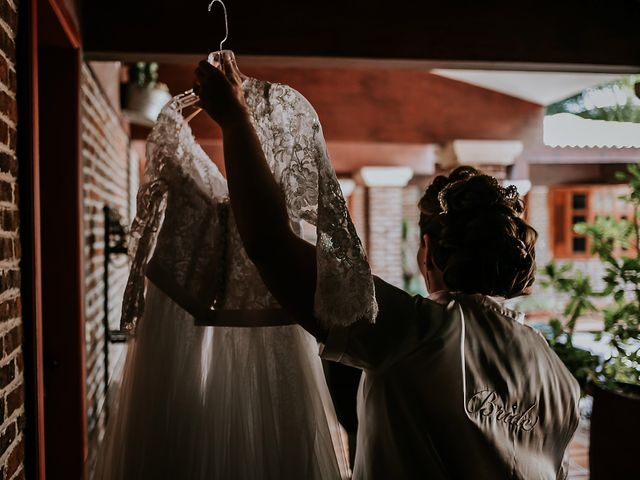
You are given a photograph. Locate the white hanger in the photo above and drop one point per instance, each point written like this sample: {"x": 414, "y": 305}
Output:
{"x": 189, "y": 98}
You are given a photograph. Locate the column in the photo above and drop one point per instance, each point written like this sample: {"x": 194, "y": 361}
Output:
{"x": 384, "y": 212}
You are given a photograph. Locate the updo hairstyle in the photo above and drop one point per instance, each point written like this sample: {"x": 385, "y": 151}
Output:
{"x": 477, "y": 236}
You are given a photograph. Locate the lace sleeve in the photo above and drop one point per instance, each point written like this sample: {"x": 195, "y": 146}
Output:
{"x": 344, "y": 291}
{"x": 292, "y": 139}
{"x": 151, "y": 201}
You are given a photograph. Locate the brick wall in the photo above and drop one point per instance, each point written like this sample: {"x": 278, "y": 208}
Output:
{"x": 110, "y": 177}
{"x": 385, "y": 233}
{"x": 538, "y": 213}
{"x": 11, "y": 371}
{"x": 413, "y": 281}
{"x": 358, "y": 212}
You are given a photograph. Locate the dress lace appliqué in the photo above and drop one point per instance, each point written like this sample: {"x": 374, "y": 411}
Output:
{"x": 292, "y": 140}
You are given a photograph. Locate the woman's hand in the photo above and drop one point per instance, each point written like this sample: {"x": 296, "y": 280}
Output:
{"x": 287, "y": 264}
{"x": 220, "y": 92}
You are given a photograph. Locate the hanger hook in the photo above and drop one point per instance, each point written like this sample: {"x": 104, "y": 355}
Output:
{"x": 226, "y": 25}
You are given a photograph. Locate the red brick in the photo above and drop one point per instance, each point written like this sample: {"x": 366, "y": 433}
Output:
{"x": 9, "y": 15}
{"x": 10, "y": 309}
{"x": 20, "y": 475}
{"x": 7, "y": 44}
{"x": 15, "y": 400}
{"x": 8, "y": 163}
{"x": 12, "y": 135}
{"x": 19, "y": 364}
{"x": 17, "y": 248}
{"x": 13, "y": 338}
{"x": 105, "y": 160}
{"x": 4, "y": 131}
{"x": 7, "y": 374}
{"x": 6, "y": 248}
{"x": 9, "y": 279}
{"x": 9, "y": 220}
{"x": 6, "y": 103}
{"x": 12, "y": 83}
{"x": 4, "y": 71}
{"x": 6, "y": 191}
{"x": 15, "y": 458}
{"x": 7, "y": 437}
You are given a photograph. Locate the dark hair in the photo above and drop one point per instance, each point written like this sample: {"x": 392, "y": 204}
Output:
{"x": 477, "y": 238}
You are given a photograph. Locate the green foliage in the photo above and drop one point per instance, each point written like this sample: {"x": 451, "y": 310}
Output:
{"x": 613, "y": 101}
{"x": 620, "y": 296}
{"x": 561, "y": 278}
{"x": 144, "y": 74}
{"x": 580, "y": 363}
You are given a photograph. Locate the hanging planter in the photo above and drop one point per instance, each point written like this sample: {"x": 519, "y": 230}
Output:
{"x": 144, "y": 96}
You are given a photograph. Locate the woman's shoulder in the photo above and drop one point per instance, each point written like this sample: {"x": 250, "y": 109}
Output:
{"x": 393, "y": 297}
{"x": 489, "y": 303}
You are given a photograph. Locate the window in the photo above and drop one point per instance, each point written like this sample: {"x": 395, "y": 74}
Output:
{"x": 571, "y": 205}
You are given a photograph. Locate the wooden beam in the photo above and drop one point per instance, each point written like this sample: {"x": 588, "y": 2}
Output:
{"x": 401, "y": 108}
{"x": 387, "y": 106}
{"x": 530, "y": 31}
{"x": 67, "y": 16}
{"x": 349, "y": 157}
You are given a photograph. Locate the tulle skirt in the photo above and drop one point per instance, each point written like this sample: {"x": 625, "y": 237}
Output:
{"x": 220, "y": 403}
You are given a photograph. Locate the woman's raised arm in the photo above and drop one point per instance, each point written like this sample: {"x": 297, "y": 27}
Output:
{"x": 287, "y": 264}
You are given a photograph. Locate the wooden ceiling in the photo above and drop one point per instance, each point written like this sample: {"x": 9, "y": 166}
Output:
{"x": 563, "y": 34}
{"x": 390, "y": 117}
{"x": 378, "y": 105}
{"x": 364, "y": 65}
{"x": 382, "y": 116}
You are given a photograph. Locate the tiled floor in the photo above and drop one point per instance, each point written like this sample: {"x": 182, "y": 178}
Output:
{"x": 578, "y": 454}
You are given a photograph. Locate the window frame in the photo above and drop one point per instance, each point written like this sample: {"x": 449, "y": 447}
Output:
{"x": 560, "y": 202}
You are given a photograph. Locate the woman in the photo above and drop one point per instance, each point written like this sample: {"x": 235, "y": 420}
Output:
{"x": 454, "y": 386}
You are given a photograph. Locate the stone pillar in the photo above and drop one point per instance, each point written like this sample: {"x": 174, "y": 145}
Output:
{"x": 354, "y": 196}
{"x": 358, "y": 211}
{"x": 412, "y": 278}
{"x": 384, "y": 195}
{"x": 539, "y": 219}
{"x": 492, "y": 157}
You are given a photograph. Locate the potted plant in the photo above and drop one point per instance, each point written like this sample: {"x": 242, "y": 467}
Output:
{"x": 143, "y": 96}
{"x": 614, "y": 381}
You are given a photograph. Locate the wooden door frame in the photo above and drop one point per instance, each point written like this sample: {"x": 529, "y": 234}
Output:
{"x": 52, "y": 289}
{"x": 30, "y": 262}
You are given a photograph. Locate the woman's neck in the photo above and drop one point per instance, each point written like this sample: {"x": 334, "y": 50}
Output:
{"x": 435, "y": 282}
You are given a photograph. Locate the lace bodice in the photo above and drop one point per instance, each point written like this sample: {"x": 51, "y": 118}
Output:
{"x": 184, "y": 234}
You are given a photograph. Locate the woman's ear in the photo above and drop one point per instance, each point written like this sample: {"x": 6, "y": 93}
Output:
{"x": 433, "y": 274}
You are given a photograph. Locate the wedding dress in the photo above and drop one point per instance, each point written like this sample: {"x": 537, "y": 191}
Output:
{"x": 200, "y": 402}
